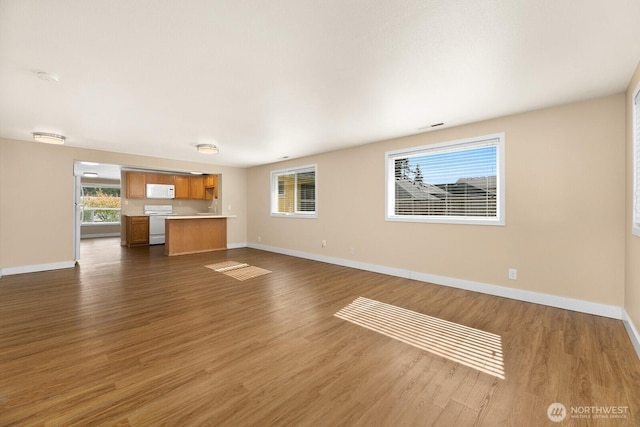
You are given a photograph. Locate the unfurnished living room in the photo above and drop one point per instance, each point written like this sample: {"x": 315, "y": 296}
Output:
{"x": 382, "y": 213}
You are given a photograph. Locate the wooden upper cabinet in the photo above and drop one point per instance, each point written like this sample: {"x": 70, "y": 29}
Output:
{"x": 211, "y": 181}
{"x": 136, "y": 185}
{"x": 211, "y": 186}
{"x": 196, "y": 187}
{"x": 182, "y": 186}
{"x": 160, "y": 178}
{"x": 202, "y": 187}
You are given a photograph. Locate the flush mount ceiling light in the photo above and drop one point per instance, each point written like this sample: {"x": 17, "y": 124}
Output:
{"x": 49, "y": 138}
{"x": 47, "y": 77}
{"x": 207, "y": 149}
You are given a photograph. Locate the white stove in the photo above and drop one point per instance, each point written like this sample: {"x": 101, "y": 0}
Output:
{"x": 157, "y": 215}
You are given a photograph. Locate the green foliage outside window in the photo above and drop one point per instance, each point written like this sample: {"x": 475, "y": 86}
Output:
{"x": 101, "y": 205}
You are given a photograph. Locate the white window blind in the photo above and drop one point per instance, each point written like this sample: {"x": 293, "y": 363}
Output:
{"x": 636, "y": 161}
{"x": 293, "y": 192}
{"x": 457, "y": 181}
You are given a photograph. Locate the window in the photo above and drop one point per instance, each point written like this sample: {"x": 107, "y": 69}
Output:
{"x": 636, "y": 161}
{"x": 101, "y": 204}
{"x": 293, "y": 192}
{"x": 453, "y": 182}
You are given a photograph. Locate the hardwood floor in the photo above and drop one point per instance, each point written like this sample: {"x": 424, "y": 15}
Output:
{"x": 131, "y": 337}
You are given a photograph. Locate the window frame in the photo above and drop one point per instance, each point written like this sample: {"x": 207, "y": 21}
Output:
{"x": 276, "y": 195}
{"x": 635, "y": 141}
{"x": 472, "y": 142}
{"x": 100, "y": 185}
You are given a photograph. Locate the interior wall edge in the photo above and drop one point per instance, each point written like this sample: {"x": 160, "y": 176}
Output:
{"x": 236, "y": 245}
{"x": 573, "y": 304}
{"x": 634, "y": 336}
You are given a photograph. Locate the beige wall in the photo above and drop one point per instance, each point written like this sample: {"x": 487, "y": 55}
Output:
{"x": 632, "y": 271}
{"x": 36, "y": 198}
{"x": 564, "y": 207}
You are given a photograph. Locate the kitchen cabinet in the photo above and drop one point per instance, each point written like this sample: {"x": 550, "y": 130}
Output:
{"x": 136, "y": 188}
{"x": 201, "y": 187}
{"x": 194, "y": 234}
{"x": 160, "y": 178}
{"x": 211, "y": 186}
{"x": 210, "y": 181}
{"x": 182, "y": 186}
{"x": 137, "y": 230}
{"x": 196, "y": 188}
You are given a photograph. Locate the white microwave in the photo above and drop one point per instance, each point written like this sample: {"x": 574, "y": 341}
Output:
{"x": 161, "y": 191}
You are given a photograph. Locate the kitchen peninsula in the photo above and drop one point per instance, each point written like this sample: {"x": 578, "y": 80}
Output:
{"x": 189, "y": 234}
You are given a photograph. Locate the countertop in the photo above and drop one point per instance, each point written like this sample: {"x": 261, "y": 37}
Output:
{"x": 201, "y": 216}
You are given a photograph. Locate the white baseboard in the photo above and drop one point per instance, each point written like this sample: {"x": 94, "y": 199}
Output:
{"x": 98, "y": 235}
{"x": 7, "y": 271}
{"x": 501, "y": 291}
{"x": 582, "y": 306}
{"x": 632, "y": 331}
{"x": 236, "y": 245}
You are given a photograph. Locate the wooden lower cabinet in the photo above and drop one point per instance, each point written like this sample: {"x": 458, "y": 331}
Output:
{"x": 194, "y": 235}
{"x": 137, "y": 232}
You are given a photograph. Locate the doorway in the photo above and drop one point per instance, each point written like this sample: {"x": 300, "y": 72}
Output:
{"x": 97, "y": 203}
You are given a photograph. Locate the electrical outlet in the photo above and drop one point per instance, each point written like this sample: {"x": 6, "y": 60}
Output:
{"x": 324, "y": 243}
{"x": 259, "y": 239}
{"x": 513, "y": 274}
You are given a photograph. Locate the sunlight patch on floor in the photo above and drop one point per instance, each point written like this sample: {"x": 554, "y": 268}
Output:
{"x": 238, "y": 270}
{"x": 471, "y": 347}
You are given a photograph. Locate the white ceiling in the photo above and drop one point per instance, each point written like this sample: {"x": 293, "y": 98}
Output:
{"x": 268, "y": 79}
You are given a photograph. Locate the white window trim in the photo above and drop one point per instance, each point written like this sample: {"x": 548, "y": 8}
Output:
{"x": 98, "y": 185}
{"x": 500, "y": 183}
{"x": 635, "y": 141}
{"x": 275, "y": 194}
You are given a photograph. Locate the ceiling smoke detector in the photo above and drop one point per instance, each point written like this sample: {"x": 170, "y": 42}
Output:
{"x": 434, "y": 125}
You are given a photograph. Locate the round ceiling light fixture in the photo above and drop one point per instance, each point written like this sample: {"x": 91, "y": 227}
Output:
{"x": 49, "y": 138}
{"x": 48, "y": 77}
{"x": 207, "y": 149}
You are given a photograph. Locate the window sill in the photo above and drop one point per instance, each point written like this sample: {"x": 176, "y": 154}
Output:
{"x": 450, "y": 220}
{"x": 293, "y": 215}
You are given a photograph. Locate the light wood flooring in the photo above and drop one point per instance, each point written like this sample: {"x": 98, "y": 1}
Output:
{"x": 131, "y": 337}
